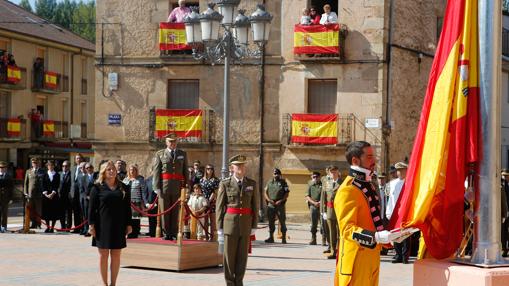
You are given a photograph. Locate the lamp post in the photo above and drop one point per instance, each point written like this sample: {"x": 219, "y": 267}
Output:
{"x": 202, "y": 33}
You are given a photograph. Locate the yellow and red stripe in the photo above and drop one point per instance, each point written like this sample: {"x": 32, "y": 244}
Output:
{"x": 172, "y": 36}
{"x": 13, "y": 74}
{"x": 50, "y": 79}
{"x": 315, "y": 128}
{"x": 13, "y": 127}
{"x": 446, "y": 140}
{"x": 182, "y": 122}
{"x": 48, "y": 128}
{"x": 316, "y": 39}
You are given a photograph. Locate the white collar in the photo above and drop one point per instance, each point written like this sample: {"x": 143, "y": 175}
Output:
{"x": 365, "y": 171}
{"x": 237, "y": 179}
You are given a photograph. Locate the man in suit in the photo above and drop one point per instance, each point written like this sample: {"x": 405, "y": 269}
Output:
{"x": 33, "y": 189}
{"x": 170, "y": 173}
{"x": 87, "y": 182}
{"x": 150, "y": 196}
{"x": 64, "y": 195}
{"x": 6, "y": 190}
{"x": 237, "y": 209}
{"x": 76, "y": 173}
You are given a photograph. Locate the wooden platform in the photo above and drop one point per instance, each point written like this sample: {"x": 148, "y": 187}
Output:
{"x": 168, "y": 255}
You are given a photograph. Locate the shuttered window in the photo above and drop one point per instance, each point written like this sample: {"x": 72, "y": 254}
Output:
{"x": 322, "y": 96}
{"x": 183, "y": 94}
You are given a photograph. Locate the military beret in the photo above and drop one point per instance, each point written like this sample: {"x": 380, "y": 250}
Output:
{"x": 3, "y": 164}
{"x": 237, "y": 159}
{"x": 171, "y": 137}
{"x": 505, "y": 172}
{"x": 277, "y": 171}
{"x": 401, "y": 165}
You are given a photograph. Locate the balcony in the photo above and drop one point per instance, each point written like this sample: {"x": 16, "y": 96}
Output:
{"x": 319, "y": 42}
{"x": 50, "y": 130}
{"x": 190, "y": 125}
{"x": 172, "y": 41}
{"x": 340, "y": 131}
{"x": 13, "y": 129}
{"x": 13, "y": 78}
{"x": 47, "y": 82}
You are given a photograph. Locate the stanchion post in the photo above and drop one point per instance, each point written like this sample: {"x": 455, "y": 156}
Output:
{"x": 183, "y": 192}
{"x": 26, "y": 221}
{"x": 158, "y": 227}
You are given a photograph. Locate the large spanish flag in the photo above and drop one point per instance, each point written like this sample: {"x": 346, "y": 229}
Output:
{"x": 316, "y": 39}
{"x": 315, "y": 128}
{"x": 13, "y": 74}
{"x": 48, "y": 128}
{"x": 50, "y": 79}
{"x": 182, "y": 122}
{"x": 172, "y": 36}
{"x": 13, "y": 127}
{"x": 446, "y": 140}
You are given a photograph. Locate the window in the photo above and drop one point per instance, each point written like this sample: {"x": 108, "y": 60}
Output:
{"x": 84, "y": 76}
{"x": 83, "y": 110}
{"x": 322, "y": 96}
{"x": 41, "y": 53}
{"x": 318, "y": 4}
{"x": 4, "y": 104}
{"x": 64, "y": 111}
{"x": 65, "y": 73}
{"x": 183, "y": 94}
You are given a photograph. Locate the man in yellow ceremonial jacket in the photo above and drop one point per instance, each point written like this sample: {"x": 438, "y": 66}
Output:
{"x": 359, "y": 218}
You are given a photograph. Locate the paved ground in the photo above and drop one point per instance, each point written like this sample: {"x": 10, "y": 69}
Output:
{"x": 68, "y": 259}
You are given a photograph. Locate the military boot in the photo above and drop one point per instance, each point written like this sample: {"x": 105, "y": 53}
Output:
{"x": 270, "y": 239}
{"x": 313, "y": 239}
{"x": 283, "y": 238}
{"x": 324, "y": 240}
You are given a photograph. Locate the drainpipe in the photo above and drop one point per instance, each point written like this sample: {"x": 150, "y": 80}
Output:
{"x": 262, "y": 111}
{"x": 386, "y": 128}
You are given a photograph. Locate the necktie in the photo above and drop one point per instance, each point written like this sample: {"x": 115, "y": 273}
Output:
{"x": 240, "y": 185}
{"x": 173, "y": 154}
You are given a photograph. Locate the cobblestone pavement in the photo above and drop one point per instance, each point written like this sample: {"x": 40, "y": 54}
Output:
{"x": 68, "y": 259}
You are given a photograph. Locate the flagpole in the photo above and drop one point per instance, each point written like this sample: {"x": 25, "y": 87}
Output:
{"x": 487, "y": 202}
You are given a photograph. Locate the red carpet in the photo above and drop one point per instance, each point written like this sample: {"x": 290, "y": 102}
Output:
{"x": 161, "y": 241}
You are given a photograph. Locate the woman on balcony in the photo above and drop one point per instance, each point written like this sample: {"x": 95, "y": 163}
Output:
{"x": 315, "y": 17}
{"x": 328, "y": 17}
{"x": 50, "y": 201}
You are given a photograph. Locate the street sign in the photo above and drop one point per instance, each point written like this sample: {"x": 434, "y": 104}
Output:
{"x": 114, "y": 119}
{"x": 372, "y": 123}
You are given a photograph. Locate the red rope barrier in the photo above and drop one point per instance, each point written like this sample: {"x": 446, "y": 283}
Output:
{"x": 157, "y": 214}
{"x": 198, "y": 218}
{"x": 39, "y": 218}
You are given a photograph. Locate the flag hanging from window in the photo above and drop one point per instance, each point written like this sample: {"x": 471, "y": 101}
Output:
{"x": 48, "y": 128}
{"x": 316, "y": 39}
{"x": 172, "y": 36}
{"x": 315, "y": 128}
{"x": 13, "y": 74}
{"x": 183, "y": 122}
{"x": 13, "y": 127}
{"x": 446, "y": 140}
{"x": 50, "y": 79}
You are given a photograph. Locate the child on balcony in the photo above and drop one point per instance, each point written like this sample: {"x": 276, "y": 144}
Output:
{"x": 305, "y": 19}
{"x": 198, "y": 204}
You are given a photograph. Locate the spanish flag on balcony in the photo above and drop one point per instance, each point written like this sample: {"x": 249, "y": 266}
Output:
{"x": 50, "y": 79}
{"x": 13, "y": 74}
{"x": 315, "y": 128}
{"x": 316, "y": 39}
{"x": 13, "y": 127}
{"x": 48, "y": 128}
{"x": 446, "y": 140}
{"x": 172, "y": 36}
{"x": 182, "y": 122}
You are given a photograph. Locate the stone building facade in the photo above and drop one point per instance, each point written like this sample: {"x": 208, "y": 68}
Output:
{"x": 266, "y": 94}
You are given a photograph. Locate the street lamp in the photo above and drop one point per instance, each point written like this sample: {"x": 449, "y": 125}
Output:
{"x": 202, "y": 33}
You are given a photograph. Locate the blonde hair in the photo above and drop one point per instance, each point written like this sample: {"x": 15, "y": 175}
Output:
{"x": 102, "y": 176}
{"x": 135, "y": 167}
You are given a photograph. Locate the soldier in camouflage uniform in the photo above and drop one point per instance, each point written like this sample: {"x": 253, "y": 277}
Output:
{"x": 313, "y": 197}
{"x": 169, "y": 176}
{"x": 327, "y": 202}
{"x": 276, "y": 194}
{"x": 236, "y": 208}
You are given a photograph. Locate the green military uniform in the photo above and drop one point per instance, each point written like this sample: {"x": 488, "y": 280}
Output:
{"x": 327, "y": 204}
{"x": 33, "y": 192}
{"x": 169, "y": 176}
{"x": 315, "y": 193}
{"x": 236, "y": 208}
{"x": 6, "y": 192}
{"x": 276, "y": 191}
{"x": 323, "y": 209}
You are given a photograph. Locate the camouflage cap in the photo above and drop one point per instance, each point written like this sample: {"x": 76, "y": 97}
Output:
{"x": 3, "y": 164}
{"x": 237, "y": 160}
{"x": 401, "y": 165}
{"x": 505, "y": 172}
{"x": 171, "y": 137}
{"x": 34, "y": 159}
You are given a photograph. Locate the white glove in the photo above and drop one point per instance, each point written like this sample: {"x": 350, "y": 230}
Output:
{"x": 253, "y": 231}
{"x": 158, "y": 192}
{"x": 324, "y": 215}
{"x": 147, "y": 205}
{"x": 220, "y": 236}
{"x": 385, "y": 236}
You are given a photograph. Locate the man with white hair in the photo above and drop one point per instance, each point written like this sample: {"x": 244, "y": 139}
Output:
{"x": 178, "y": 14}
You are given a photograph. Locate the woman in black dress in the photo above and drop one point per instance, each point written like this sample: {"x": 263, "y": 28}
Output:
{"x": 50, "y": 201}
{"x": 109, "y": 219}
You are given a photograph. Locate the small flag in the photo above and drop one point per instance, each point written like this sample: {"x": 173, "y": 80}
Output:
{"x": 48, "y": 127}
{"x": 315, "y": 128}
{"x": 13, "y": 74}
{"x": 316, "y": 39}
{"x": 172, "y": 36}
{"x": 182, "y": 122}
{"x": 50, "y": 79}
{"x": 13, "y": 127}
